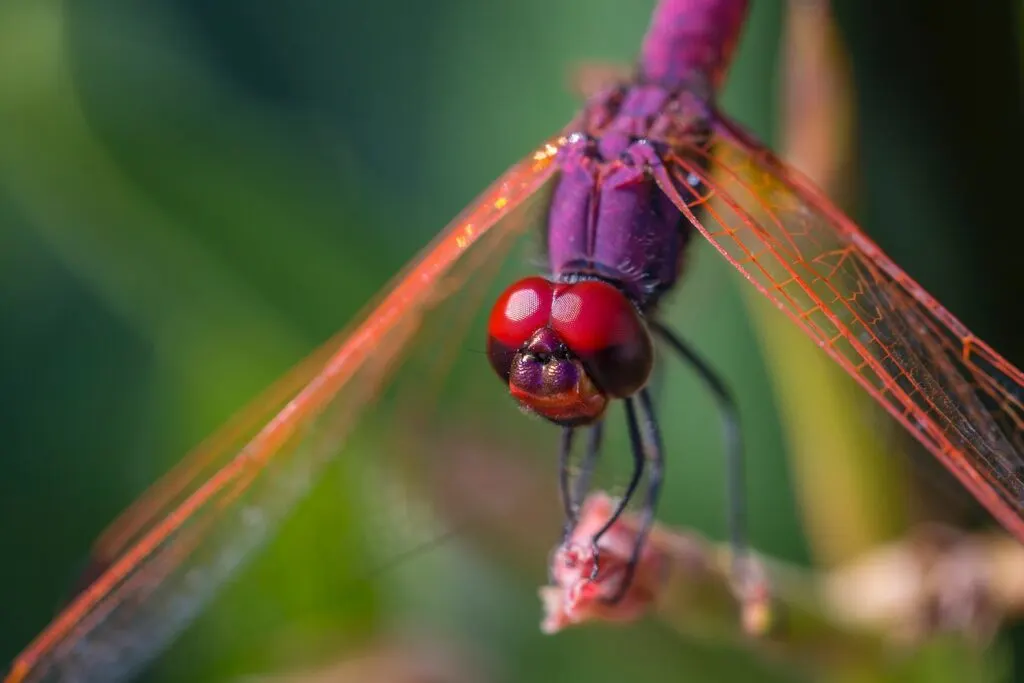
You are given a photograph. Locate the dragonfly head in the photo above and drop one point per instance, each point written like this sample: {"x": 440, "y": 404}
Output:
{"x": 566, "y": 349}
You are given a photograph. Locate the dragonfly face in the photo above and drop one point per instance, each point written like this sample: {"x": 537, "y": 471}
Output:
{"x": 565, "y": 349}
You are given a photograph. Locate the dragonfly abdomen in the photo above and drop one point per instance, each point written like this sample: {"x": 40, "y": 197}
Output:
{"x": 691, "y": 41}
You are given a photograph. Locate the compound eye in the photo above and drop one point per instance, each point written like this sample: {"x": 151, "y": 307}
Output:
{"x": 520, "y": 311}
{"x": 603, "y": 329}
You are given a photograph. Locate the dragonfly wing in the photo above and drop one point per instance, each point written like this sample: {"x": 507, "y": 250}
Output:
{"x": 955, "y": 394}
{"x": 165, "y": 558}
{"x": 202, "y": 462}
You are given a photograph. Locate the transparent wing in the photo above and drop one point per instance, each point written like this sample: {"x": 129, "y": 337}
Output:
{"x": 956, "y": 395}
{"x": 167, "y": 555}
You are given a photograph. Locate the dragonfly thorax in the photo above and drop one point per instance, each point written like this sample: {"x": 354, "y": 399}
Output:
{"x": 609, "y": 216}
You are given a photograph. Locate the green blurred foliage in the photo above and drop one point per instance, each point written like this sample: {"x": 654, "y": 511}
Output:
{"x": 194, "y": 195}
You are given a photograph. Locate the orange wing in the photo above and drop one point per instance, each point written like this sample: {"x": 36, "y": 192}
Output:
{"x": 950, "y": 390}
{"x": 165, "y": 557}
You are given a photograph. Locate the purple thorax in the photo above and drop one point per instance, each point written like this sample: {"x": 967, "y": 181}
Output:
{"x": 608, "y": 217}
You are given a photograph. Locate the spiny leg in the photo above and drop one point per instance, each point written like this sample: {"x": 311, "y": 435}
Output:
{"x": 574, "y": 492}
{"x": 656, "y": 384}
{"x": 589, "y": 462}
{"x": 732, "y": 437}
{"x": 637, "y": 448}
{"x": 564, "y": 456}
{"x": 654, "y": 456}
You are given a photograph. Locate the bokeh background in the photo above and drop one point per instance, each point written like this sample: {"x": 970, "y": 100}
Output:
{"x": 195, "y": 195}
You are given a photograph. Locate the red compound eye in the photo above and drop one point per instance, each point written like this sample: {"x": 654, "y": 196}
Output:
{"x": 566, "y": 349}
{"x": 603, "y": 329}
{"x": 520, "y": 311}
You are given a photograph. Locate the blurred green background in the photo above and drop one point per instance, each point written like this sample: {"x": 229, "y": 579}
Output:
{"x": 194, "y": 195}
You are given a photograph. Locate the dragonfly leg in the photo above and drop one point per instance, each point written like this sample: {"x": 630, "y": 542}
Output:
{"x": 637, "y": 447}
{"x": 574, "y": 492}
{"x": 650, "y": 441}
{"x": 589, "y": 461}
{"x": 732, "y": 437}
{"x": 569, "y": 504}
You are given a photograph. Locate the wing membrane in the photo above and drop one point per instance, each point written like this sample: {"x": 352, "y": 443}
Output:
{"x": 955, "y": 394}
{"x": 167, "y": 555}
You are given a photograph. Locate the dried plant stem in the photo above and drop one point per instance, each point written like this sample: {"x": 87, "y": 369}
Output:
{"x": 885, "y": 604}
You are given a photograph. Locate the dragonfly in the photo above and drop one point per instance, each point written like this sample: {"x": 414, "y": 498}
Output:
{"x": 649, "y": 166}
